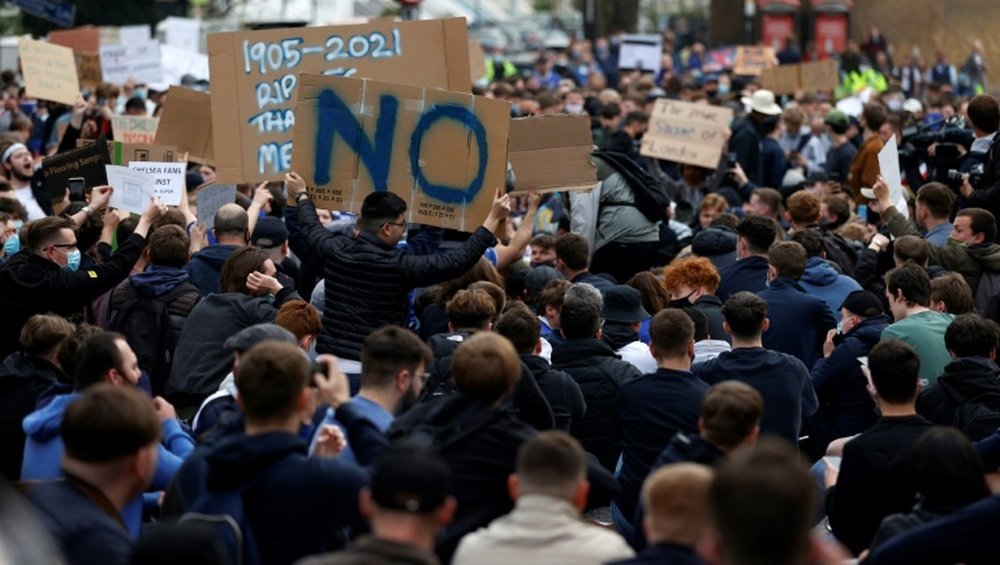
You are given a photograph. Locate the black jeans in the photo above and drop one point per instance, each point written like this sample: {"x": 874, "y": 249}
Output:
{"x": 624, "y": 260}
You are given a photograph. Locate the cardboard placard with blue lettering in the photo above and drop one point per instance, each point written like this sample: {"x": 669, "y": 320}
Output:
{"x": 686, "y": 133}
{"x": 255, "y": 76}
{"x": 443, "y": 152}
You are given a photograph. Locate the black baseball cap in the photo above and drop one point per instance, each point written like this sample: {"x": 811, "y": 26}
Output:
{"x": 863, "y": 303}
{"x": 269, "y": 232}
{"x": 411, "y": 479}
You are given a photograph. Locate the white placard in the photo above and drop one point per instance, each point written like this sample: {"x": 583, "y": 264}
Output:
{"x": 180, "y": 62}
{"x": 128, "y": 35}
{"x": 641, "y": 51}
{"x": 210, "y": 199}
{"x": 168, "y": 179}
{"x": 183, "y": 33}
{"x": 888, "y": 162}
{"x": 133, "y": 190}
{"x": 139, "y": 61}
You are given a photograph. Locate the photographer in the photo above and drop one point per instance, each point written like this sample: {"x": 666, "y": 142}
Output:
{"x": 984, "y": 190}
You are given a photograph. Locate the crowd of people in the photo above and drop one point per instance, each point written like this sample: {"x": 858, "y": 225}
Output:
{"x": 774, "y": 361}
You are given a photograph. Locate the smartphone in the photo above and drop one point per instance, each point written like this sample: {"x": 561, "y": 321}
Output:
{"x": 863, "y": 212}
{"x": 731, "y": 159}
{"x": 77, "y": 189}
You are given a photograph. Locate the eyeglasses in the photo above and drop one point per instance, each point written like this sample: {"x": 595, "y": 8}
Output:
{"x": 67, "y": 246}
{"x": 397, "y": 224}
{"x": 424, "y": 378}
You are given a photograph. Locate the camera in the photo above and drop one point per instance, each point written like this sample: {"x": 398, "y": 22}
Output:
{"x": 975, "y": 176}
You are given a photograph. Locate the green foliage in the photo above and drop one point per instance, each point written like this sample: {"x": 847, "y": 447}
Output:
{"x": 545, "y": 5}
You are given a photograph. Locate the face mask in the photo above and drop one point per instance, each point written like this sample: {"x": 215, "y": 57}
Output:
{"x": 141, "y": 93}
{"x": 952, "y": 242}
{"x": 723, "y": 89}
{"x": 840, "y": 327}
{"x": 574, "y": 108}
{"x": 682, "y": 302}
{"x": 894, "y": 104}
{"x": 18, "y": 224}
{"x": 12, "y": 245}
{"x": 73, "y": 260}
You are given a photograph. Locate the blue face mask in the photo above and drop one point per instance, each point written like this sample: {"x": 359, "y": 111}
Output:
{"x": 72, "y": 260}
{"x": 12, "y": 245}
{"x": 140, "y": 92}
{"x": 18, "y": 224}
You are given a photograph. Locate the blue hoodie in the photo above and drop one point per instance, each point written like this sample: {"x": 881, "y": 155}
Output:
{"x": 157, "y": 280}
{"x": 205, "y": 267}
{"x": 824, "y": 282}
{"x": 44, "y": 448}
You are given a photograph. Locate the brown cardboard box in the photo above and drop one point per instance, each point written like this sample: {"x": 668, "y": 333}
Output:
{"x": 552, "y": 153}
{"x": 82, "y": 39}
{"x": 88, "y": 69}
{"x": 255, "y": 75}
{"x": 444, "y": 153}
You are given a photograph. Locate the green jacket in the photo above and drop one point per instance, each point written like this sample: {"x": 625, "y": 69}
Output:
{"x": 970, "y": 262}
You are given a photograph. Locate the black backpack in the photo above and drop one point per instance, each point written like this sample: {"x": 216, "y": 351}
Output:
{"x": 977, "y": 416}
{"x": 147, "y": 326}
{"x": 650, "y": 197}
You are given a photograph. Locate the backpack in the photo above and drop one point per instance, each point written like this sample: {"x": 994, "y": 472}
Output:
{"x": 987, "y": 300}
{"x": 651, "y": 198}
{"x": 977, "y": 417}
{"x": 223, "y": 512}
{"x": 147, "y": 326}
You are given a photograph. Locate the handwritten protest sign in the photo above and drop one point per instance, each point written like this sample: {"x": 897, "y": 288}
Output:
{"x": 178, "y": 62}
{"x": 139, "y": 61}
{"x": 133, "y": 190}
{"x": 87, "y": 162}
{"x": 183, "y": 33}
{"x": 255, "y": 76}
{"x": 820, "y": 76}
{"x": 443, "y": 152}
{"x": 210, "y": 199}
{"x": 49, "y": 71}
{"x": 168, "y": 179}
{"x": 133, "y": 34}
{"x": 753, "y": 59}
{"x": 552, "y": 153}
{"x": 641, "y": 51}
{"x": 134, "y": 129}
{"x": 186, "y": 122}
{"x": 88, "y": 69}
{"x": 686, "y": 133}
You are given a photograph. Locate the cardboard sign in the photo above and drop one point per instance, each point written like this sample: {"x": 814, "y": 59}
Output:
{"x": 133, "y": 34}
{"x": 133, "y": 190}
{"x": 82, "y": 39}
{"x": 477, "y": 60}
{"x": 125, "y": 153}
{"x": 49, "y": 71}
{"x": 168, "y": 179}
{"x": 186, "y": 123}
{"x": 641, "y": 51}
{"x": 255, "y": 76}
{"x": 808, "y": 77}
{"x": 88, "y": 69}
{"x": 179, "y": 62}
{"x": 443, "y": 152}
{"x": 552, "y": 153}
{"x": 820, "y": 76}
{"x": 134, "y": 129}
{"x": 783, "y": 79}
{"x": 87, "y": 162}
{"x": 183, "y": 33}
{"x": 210, "y": 199}
{"x": 139, "y": 61}
{"x": 751, "y": 60}
{"x": 686, "y": 133}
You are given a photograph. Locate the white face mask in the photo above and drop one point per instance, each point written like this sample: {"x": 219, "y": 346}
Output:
{"x": 573, "y": 108}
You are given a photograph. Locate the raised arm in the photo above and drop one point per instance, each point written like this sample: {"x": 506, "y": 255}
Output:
{"x": 312, "y": 229}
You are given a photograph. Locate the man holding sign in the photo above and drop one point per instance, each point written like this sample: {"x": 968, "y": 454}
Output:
{"x": 368, "y": 279}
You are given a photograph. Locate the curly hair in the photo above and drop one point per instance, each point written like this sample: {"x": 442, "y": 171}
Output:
{"x": 693, "y": 272}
